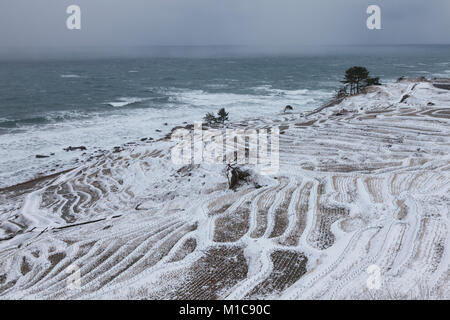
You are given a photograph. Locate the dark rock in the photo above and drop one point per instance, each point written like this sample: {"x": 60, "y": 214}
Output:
{"x": 406, "y": 96}
{"x": 40, "y": 156}
{"x": 235, "y": 175}
{"x": 234, "y": 179}
{"x": 445, "y": 86}
{"x": 288, "y": 108}
{"x": 430, "y": 104}
{"x": 70, "y": 148}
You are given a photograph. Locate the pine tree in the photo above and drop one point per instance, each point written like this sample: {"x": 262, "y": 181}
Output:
{"x": 222, "y": 116}
{"x": 373, "y": 81}
{"x": 209, "y": 118}
{"x": 355, "y": 77}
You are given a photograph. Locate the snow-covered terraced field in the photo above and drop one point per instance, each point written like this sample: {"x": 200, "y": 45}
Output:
{"x": 365, "y": 182}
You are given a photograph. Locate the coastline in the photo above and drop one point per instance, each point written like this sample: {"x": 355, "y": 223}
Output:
{"x": 367, "y": 173}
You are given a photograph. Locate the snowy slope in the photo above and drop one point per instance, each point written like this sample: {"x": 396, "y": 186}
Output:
{"x": 365, "y": 182}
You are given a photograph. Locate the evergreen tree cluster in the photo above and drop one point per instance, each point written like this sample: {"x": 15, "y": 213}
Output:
{"x": 222, "y": 116}
{"x": 357, "y": 79}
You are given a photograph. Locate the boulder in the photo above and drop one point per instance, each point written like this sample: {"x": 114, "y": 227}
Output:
{"x": 70, "y": 148}
{"x": 288, "y": 108}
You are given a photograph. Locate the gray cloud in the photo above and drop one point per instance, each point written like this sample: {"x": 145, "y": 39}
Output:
{"x": 120, "y": 23}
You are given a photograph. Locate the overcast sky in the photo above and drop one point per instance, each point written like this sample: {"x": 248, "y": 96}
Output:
{"x": 42, "y": 23}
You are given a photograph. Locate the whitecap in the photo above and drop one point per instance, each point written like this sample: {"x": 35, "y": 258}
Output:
{"x": 125, "y": 101}
{"x": 217, "y": 86}
{"x": 70, "y": 76}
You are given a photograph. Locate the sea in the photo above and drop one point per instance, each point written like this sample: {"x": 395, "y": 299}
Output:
{"x": 50, "y": 103}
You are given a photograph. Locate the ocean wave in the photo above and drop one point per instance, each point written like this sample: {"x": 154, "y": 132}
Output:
{"x": 125, "y": 101}
{"x": 295, "y": 93}
{"x": 14, "y": 123}
{"x": 264, "y": 99}
{"x": 70, "y": 76}
{"x": 445, "y": 74}
{"x": 44, "y": 119}
{"x": 217, "y": 86}
{"x": 402, "y": 65}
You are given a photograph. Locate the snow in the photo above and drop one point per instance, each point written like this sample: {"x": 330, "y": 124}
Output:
{"x": 366, "y": 183}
